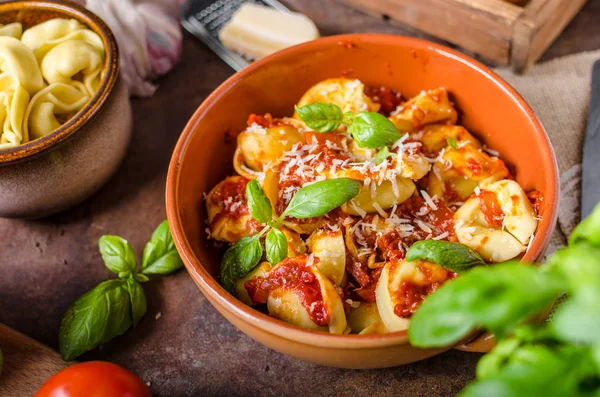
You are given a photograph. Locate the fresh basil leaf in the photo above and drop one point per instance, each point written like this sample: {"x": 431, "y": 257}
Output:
{"x": 137, "y": 299}
{"x": 579, "y": 266}
{"x": 577, "y": 321}
{"x": 276, "y": 246}
{"x": 140, "y": 278}
{"x": 239, "y": 260}
{"x": 373, "y": 130}
{"x": 321, "y": 117}
{"x": 118, "y": 254}
{"x": 588, "y": 230}
{"x": 321, "y": 197}
{"x": 258, "y": 204}
{"x": 497, "y": 298}
{"x": 537, "y": 370}
{"x": 455, "y": 257}
{"x": 94, "y": 318}
{"x": 493, "y": 362}
{"x": 160, "y": 255}
{"x": 383, "y": 154}
{"x": 452, "y": 143}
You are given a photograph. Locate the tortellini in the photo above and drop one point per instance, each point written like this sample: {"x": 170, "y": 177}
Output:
{"x": 259, "y": 146}
{"x": 329, "y": 247}
{"x": 44, "y": 37}
{"x": 296, "y": 292}
{"x": 14, "y": 29}
{"x": 50, "y": 108}
{"x": 428, "y": 107}
{"x": 346, "y": 270}
{"x": 402, "y": 287}
{"x": 457, "y": 172}
{"x": 228, "y": 214}
{"x": 18, "y": 61}
{"x": 74, "y": 57}
{"x": 434, "y": 137}
{"x": 498, "y": 223}
{"x": 382, "y": 196}
{"x": 348, "y": 94}
{"x": 13, "y": 103}
{"x": 365, "y": 319}
{"x": 47, "y": 74}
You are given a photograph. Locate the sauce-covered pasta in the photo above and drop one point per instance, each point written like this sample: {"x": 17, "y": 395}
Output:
{"x": 47, "y": 74}
{"x": 422, "y": 178}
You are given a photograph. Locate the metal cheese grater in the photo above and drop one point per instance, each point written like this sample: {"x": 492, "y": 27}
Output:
{"x": 205, "y": 18}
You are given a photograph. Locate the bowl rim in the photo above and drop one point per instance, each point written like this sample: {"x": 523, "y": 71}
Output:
{"x": 222, "y": 300}
{"x": 94, "y": 105}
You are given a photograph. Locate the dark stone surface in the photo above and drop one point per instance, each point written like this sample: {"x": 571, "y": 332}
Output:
{"x": 183, "y": 347}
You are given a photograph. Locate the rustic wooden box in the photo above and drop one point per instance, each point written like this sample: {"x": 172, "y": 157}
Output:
{"x": 501, "y": 31}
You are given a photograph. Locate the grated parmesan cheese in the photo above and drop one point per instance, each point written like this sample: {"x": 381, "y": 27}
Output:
{"x": 358, "y": 210}
{"x": 256, "y": 128}
{"x": 423, "y": 226}
{"x": 441, "y": 236}
{"x": 379, "y": 210}
{"x": 490, "y": 151}
{"x": 428, "y": 200}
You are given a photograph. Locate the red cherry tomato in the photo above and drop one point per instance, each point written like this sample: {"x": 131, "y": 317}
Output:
{"x": 94, "y": 379}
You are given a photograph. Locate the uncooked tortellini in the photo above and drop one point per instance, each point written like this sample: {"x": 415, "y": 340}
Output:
{"x": 51, "y": 107}
{"x": 47, "y": 74}
{"x": 44, "y": 37}
{"x": 73, "y": 57}
{"x": 12, "y": 29}
{"x": 13, "y": 102}
{"x": 18, "y": 61}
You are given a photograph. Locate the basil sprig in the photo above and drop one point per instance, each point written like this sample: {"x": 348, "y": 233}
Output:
{"x": 321, "y": 117}
{"x": 276, "y": 246}
{"x": 449, "y": 255}
{"x": 368, "y": 129}
{"x": 239, "y": 260}
{"x": 373, "y": 130}
{"x": 558, "y": 357}
{"x": 258, "y": 204}
{"x": 321, "y": 197}
{"x": 113, "y": 306}
{"x": 310, "y": 201}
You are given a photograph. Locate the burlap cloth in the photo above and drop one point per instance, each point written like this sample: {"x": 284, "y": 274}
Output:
{"x": 559, "y": 93}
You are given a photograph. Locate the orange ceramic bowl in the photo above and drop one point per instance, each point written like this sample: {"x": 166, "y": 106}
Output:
{"x": 489, "y": 107}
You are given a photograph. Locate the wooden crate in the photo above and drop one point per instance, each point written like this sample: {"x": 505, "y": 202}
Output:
{"x": 502, "y": 32}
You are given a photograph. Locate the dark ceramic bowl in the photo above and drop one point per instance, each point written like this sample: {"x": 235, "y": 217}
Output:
{"x": 57, "y": 171}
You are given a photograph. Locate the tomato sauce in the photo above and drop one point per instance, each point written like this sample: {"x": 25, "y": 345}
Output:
{"x": 293, "y": 274}
{"x": 442, "y": 218}
{"x": 411, "y": 295}
{"x": 537, "y": 201}
{"x": 390, "y": 246}
{"x": 387, "y": 98}
{"x": 323, "y": 137}
{"x": 491, "y": 208}
{"x": 292, "y": 178}
{"x": 473, "y": 166}
{"x": 231, "y": 197}
{"x": 265, "y": 121}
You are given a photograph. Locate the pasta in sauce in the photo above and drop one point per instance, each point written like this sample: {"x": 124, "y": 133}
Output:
{"x": 346, "y": 271}
{"x": 47, "y": 74}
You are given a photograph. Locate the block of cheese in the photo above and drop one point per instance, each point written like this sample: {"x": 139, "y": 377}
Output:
{"x": 257, "y": 31}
